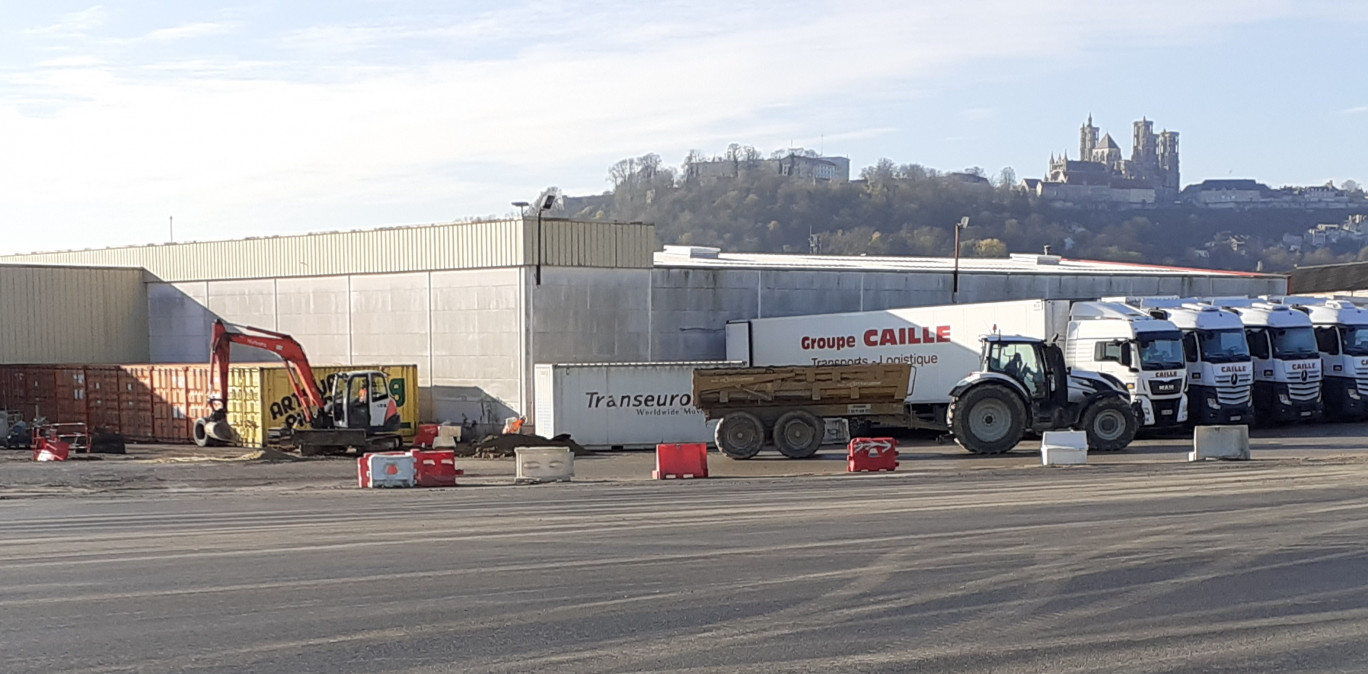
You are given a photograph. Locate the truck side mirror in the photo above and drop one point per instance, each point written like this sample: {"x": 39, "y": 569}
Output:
{"x": 1126, "y": 355}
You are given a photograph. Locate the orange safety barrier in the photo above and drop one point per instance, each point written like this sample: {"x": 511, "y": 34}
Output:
{"x": 872, "y": 455}
{"x": 435, "y": 468}
{"x": 681, "y": 461}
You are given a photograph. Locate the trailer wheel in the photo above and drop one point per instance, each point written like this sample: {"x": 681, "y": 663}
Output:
{"x": 740, "y": 435}
{"x": 798, "y": 434}
{"x": 1110, "y": 424}
{"x": 987, "y": 419}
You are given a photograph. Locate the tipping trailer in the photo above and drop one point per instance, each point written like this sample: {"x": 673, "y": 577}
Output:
{"x": 1018, "y": 384}
{"x": 1220, "y": 376}
{"x": 1142, "y": 354}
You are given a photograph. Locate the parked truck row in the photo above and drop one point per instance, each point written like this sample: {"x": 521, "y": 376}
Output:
{"x": 988, "y": 373}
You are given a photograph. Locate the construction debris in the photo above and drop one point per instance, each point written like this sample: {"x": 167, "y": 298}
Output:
{"x": 503, "y": 446}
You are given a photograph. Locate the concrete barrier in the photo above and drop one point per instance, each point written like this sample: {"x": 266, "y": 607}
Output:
{"x": 544, "y": 464}
{"x": 1220, "y": 442}
{"x": 1063, "y": 448}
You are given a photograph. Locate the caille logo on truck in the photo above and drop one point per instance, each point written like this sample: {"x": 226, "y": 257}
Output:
{"x": 876, "y": 337}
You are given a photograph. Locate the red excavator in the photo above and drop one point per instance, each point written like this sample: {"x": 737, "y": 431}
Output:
{"x": 359, "y": 412}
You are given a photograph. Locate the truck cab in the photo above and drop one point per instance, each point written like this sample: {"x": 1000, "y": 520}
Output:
{"x": 1220, "y": 375}
{"x": 1286, "y": 359}
{"x": 1341, "y": 329}
{"x": 1143, "y": 352}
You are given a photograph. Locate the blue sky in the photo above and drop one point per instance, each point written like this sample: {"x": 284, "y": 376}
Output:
{"x": 261, "y": 118}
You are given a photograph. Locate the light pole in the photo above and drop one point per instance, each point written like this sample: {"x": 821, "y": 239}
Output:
{"x": 954, "y": 287}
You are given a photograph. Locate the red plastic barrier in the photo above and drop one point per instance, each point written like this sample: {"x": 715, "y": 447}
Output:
{"x": 681, "y": 461}
{"x": 427, "y": 435}
{"x": 436, "y": 468}
{"x": 51, "y": 450}
{"x": 872, "y": 455}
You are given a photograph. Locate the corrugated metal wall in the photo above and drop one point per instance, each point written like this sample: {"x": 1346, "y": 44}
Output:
{"x": 72, "y": 315}
{"x": 474, "y": 245}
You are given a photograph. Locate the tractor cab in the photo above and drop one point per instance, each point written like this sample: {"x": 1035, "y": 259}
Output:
{"x": 362, "y": 400}
{"x": 1038, "y": 367}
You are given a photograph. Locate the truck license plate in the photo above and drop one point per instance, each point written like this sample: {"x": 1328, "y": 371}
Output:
{"x": 857, "y": 409}
{"x": 1166, "y": 412}
{"x": 1236, "y": 418}
{"x": 1307, "y": 413}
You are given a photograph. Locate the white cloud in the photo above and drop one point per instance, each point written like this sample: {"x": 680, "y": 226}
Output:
{"x": 73, "y": 24}
{"x": 259, "y": 146}
{"x": 1357, "y": 110}
{"x": 193, "y": 30}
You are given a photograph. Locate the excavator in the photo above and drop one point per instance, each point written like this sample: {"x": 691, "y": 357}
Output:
{"x": 358, "y": 413}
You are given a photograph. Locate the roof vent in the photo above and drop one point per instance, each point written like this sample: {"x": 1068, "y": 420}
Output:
{"x": 1035, "y": 258}
{"x": 697, "y": 252}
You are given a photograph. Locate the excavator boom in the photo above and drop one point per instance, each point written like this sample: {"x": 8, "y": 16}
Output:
{"x": 301, "y": 375}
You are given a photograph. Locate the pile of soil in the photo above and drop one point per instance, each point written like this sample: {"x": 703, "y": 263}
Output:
{"x": 503, "y": 446}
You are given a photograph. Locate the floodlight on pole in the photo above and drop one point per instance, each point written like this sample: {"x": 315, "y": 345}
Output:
{"x": 954, "y": 282}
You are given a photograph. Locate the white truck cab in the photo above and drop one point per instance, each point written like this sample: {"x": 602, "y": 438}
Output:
{"x": 1342, "y": 337}
{"x": 1143, "y": 352}
{"x": 1220, "y": 376}
{"x": 1287, "y": 361}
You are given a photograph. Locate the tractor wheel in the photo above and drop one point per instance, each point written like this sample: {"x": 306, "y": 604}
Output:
{"x": 987, "y": 419}
{"x": 740, "y": 435}
{"x": 1110, "y": 424}
{"x": 798, "y": 434}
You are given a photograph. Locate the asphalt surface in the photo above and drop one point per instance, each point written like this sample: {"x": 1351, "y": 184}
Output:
{"x": 1142, "y": 567}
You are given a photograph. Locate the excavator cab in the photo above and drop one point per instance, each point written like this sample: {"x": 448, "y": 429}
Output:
{"x": 362, "y": 400}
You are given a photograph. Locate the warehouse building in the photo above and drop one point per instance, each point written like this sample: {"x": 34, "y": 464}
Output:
{"x": 476, "y": 305}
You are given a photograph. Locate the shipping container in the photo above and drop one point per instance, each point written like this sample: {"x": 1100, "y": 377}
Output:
{"x": 622, "y": 405}
{"x": 260, "y": 397}
{"x": 159, "y": 403}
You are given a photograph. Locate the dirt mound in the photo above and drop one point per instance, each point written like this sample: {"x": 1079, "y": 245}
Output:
{"x": 502, "y": 446}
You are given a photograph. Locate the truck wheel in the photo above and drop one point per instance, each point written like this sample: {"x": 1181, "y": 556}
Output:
{"x": 987, "y": 419}
{"x": 740, "y": 435}
{"x": 798, "y": 434}
{"x": 1110, "y": 424}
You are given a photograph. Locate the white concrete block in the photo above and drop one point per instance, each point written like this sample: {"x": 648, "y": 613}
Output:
{"x": 1220, "y": 442}
{"x": 1063, "y": 448}
{"x": 545, "y": 464}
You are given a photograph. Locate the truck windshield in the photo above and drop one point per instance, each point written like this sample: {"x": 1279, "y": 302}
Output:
{"x": 1224, "y": 346}
{"x": 1160, "y": 350}
{"x": 1294, "y": 343}
{"x": 1355, "y": 340}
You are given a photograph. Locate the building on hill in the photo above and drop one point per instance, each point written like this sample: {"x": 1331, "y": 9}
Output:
{"x": 821, "y": 169}
{"x": 1102, "y": 174}
{"x": 1247, "y": 193}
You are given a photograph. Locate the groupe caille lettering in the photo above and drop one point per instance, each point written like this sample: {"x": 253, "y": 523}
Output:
{"x": 876, "y": 337}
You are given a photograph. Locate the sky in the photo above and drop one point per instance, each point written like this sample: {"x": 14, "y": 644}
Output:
{"x": 131, "y": 123}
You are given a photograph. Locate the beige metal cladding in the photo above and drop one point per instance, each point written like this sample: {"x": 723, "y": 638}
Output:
{"x": 72, "y": 315}
{"x": 471, "y": 245}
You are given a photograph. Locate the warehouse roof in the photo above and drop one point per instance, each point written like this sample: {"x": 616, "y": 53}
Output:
{"x": 713, "y": 258}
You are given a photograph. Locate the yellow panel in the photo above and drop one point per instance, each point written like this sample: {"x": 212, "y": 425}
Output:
{"x": 266, "y": 401}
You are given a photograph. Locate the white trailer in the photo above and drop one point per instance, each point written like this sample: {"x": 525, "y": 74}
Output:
{"x": 622, "y": 405}
{"x": 942, "y": 343}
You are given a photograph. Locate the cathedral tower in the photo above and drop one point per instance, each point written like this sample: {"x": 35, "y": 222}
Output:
{"x": 1087, "y": 140}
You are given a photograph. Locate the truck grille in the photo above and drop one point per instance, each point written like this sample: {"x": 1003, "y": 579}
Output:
{"x": 1237, "y": 394}
{"x": 1307, "y": 391}
{"x": 1361, "y": 378}
{"x": 1165, "y": 387}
